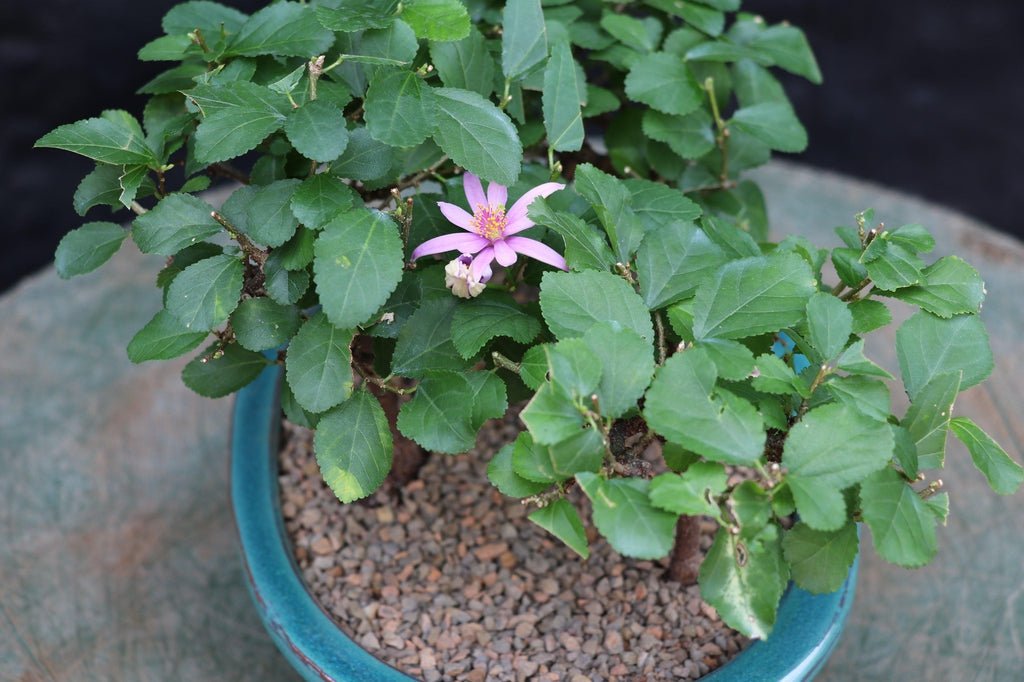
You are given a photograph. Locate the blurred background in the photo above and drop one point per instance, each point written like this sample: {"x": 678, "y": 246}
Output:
{"x": 920, "y": 96}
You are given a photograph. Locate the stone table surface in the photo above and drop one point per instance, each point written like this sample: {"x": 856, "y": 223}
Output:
{"x": 118, "y": 553}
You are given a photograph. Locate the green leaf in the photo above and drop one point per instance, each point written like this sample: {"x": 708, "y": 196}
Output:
{"x": 185, "y": 258}
{"x": 848, "y": 266}
{"x": 624, "y": 515}
{"x": 358, "y": 263}
{"x": 101, "y": 187}
{"x": 673, "y": 262}
{"x": 425, "y": 342}
{"x": 207, "y": 16}
{"x": 437, "y": 19}
{"x": 562, "y": 520}
{"x": 1001, "y": 472}
{"x": 735, "y": 241}
{"x": 774, "y": 376}
{"x": 683, "y": 406}
{"x": 585, "y": 247}
{"x": 284, "y": 286}
{"x": 752, "y": 296}
{"x": 573, "y": 302}
{"x": 86, "y": 248}
{"x": 318, "y": 365}
{"x": 950, "y": 286}
{"x": 869, "y": 315}
{"x": 773, "y": 123}
{"x": 264, "y": 213}
{"x": 906, "y": 452}
{"x": 205, "y": 293}
{"x": 692, "y": 493}
{"x": 575, "y": 368}
{"x": 563, "y": 115}
{"x": 355, "y": 15}
{"x": 178, "y": 221}
{"x": 820, "y": 560}
{"x": 285, "y": 29}
{"x": 927, "y": 418}
{"x": 215, "y": 375}
{"x": 735, "y": 362}
{"x": 353, "y": 447}
{"x": 465, "y": 64}
{"x": 831, "y": 448}
{"x": 639, "y": 34}
{"x": 600, "y": 101}
{"x": 894, "y": 268}
{"x": 583, "y": 451}
{"x": 449, "y": 408}
{"x": 688, "y": 136}
{"x": 658, "y": 205}
{"x": 697, "y": 15}
{"x": 854, "y": 362}
{"x": 524, "y": 38}
{"x": 551, "y": 415}
{"x": 503, "y": 477}
{"x": 364, "y": 158}
{"x": 478, "y": 321}
{"x": 162, "y": 338}
{"x": 744, "y": 586}
{"x": 477, "y": 135}
{"x": 869, "y": 396}
{"x": 320, "y": 199}
{"x": 103, "y": 140}
{"x": 400, "y": 108}
{"x": 927, "y": 346}
{"x": 787, "y": 47}
{"x": 663, "y": 81}
{"x": 612, "y": 201}
{"x": 262, "y": 324}
{"x": 317, "y": 130}
{"x": 829, "y": 323}
{"x": 902, "y": 526}
{"x": 914, "y": 238}
{"x": 237, "y": 116}
{"x": 626, "y": 362}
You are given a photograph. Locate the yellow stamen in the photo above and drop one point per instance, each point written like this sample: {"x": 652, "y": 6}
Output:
{"x": 489, "y": 221}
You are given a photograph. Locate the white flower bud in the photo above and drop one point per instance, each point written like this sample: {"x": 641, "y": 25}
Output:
{"x": 458, "y": 278}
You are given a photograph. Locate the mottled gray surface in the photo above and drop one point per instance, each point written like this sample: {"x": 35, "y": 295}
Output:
{"x": 118, "y": 557}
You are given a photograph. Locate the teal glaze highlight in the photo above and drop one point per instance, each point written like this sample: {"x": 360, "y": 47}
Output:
{"x": 806, "y": 632}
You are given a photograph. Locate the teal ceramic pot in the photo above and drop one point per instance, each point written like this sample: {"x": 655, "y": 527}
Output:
{"x": 807, "y": 630}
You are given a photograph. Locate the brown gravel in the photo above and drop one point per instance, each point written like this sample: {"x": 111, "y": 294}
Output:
{"x": 452, "y": 582}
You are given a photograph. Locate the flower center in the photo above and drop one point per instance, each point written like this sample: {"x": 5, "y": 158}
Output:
{"x": 489, "y": 221}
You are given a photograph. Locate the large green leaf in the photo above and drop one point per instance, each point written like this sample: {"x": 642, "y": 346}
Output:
{"x": 264, "y": 213}
{"x": 626, "y": 362}
{"x": 320, "y": 199}
{"x": 318, "y": 365}
{"x": 829, "y": 324}
{"x": 1001, "y": 472}
{"x": 562, "y": 520}
{"x": 551, "y": 415}
{"x": 612, "y": 201}
{"x": 437, "y": 19}
{"x": 688, "y": 136}
{"x": 625, "y": 516}
{"x": 563, "y": 114}
{"x": 478, "y": 321}
{"x": 820, "y": 560}
{"x": 673, "y": 262}
{"x": 829, "y": 449}
{"x": 425, "y": 342}
{"x": 663, "y": 81}
{"x": 503, "y": 477}
{"x": 927, "y": 418}
{"x": 209, "y": 17}
{"x": 894, "y": 267}
{"x": 353, "y": 447}
{"x": 752, "y": 296}
{"x": 317, "y": 130}
{"x": 163, "y": 338}
{"x": 450, "y": 407}
{"x": 237, "y": 116}
{"x": 683, "y": 406}
{"x": 178, "y": 221}
{"x": 262, "y": 324}
{"x": 583, "y": 451}
{"x": 283, "y": 28}
{"x": 773, "y": 123}
{"x": 400, "y": 108}
{"x": 477, "y": 135}
{"x": 573, "y": 302}
{"x": 88, "y": 247}
{"x": 928, "y": 346}
{"x": 658, "y": 205}
{"x": 364, "y": 158}
{"x": 902, "y": 526}
{"x": 217, "y": 374}
{"x": 692, "y": 493}
{"x": 743, "y": 585}
{"x": 355, "y": 15}
{"x": 107, "y": 140}
{"x": 787, "y": 47}
{"x": 101, "y": 187}
{"x": 948, "y": 287}
{"x": 524, "y": 38}
{"x": 205, "y": 293}
{"x": 358, "y": 263}
{"x": 465, "y": 64}
{"x": 642, "y": 35}
{"x": 585, "y": 247}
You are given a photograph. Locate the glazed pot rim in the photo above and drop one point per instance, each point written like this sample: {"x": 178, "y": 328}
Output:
{"x": 806, "y": 631}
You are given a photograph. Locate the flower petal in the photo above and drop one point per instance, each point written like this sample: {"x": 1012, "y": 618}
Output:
{"x": 518, "y": 209}
{"x": 535, "y": 249}
{"x": 497, "y": 195}
{"x": 480, "y": 268}
{"x": 458, "y": 241}
{"x": 474, "y": 191}
{"x": 514, "y": 226}
{"x": 503, "y": 253}
{"x": 456, "y": 215}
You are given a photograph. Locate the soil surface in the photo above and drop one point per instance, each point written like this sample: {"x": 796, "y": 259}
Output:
{"x": 453, "y": 582}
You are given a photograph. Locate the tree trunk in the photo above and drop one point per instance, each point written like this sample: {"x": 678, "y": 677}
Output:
{"x": 684, "y": 562}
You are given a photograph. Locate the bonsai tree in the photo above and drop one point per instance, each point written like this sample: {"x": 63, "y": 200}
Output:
{"x": 443, "y": 209}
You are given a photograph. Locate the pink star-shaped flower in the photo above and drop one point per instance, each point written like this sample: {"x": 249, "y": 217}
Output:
{"x": 490, "y": 228}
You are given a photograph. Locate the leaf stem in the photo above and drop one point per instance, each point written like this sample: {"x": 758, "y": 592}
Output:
{"x": 659, "y": 323}
{"x": 251, "y": 250}
{"x": 722, "y": 138}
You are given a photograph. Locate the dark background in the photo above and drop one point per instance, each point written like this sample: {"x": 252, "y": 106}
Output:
{"x": 919, "y": 95}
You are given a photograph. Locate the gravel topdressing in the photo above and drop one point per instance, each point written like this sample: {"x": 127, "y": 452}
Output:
{"x": 452, "y": 582}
